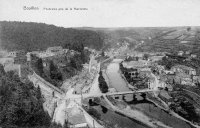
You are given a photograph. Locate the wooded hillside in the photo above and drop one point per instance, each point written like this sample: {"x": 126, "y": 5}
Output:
{"x": 39, "y": 36}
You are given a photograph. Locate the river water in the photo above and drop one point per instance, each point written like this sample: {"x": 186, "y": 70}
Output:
{"x": 114, "y": 76}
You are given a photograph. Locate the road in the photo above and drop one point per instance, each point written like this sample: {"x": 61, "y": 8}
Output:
{"x": 192, "y": 92}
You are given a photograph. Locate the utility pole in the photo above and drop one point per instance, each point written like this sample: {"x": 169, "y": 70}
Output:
{"x": 90, "y": 63}
{"x": 81, "y": 96}
{"x": 93, "y": 124}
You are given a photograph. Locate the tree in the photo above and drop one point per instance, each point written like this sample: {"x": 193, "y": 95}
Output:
{"x": 21, "y": 105}
{"x": 188, "y": 29}
{"x": 102, "y": 83}
{"x": 52, "y": 69}
{"x": 137, "y": 58}
{"x": 40, "y": 66}
{"x": 38, "y": 93}
{"x": 66, "y": 124}
{"x": 145, "y": 56}
{"x": 2, "y": 71}
{"x": 136, "y": 74}
{"x": 103, "y": 53}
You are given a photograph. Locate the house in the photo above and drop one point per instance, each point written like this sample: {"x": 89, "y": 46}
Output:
{"x": 3, "y": 53}
{"x": 19, "y": 56}
{"x": 117, "y": 97}
{"x": 160, "y": 68}
{"x": 133, "y": 72}
{"x": 184, "y": 41}
{"x": 168, "y": 72}
{"x": 16, "y": 68}
{"x": 28, "y": 55}
{"x": 136, "y": 64}
{"x": 54, "y": 49}
{"x": 180, "y": 53}
{"x": 183, "y": 79}
{"x": 183, "y": 74}
{"x": 187, "y": 52}
{"x": 183, "y": 69}
{"x": 6, "y": 61}
{"x": 193, "y": 55}
{"x": 169, "y": 87}
{"x": 196, "y": 79}
{"x": 151, "y": 82}
{"x": 143, "y": 73}
{"x": 155, "y": 58}
{"x": 187, "y": 81}
{"x": 16, "y": 53}
{"x": 131, "y": 58}
{"x": 78, "y": 88}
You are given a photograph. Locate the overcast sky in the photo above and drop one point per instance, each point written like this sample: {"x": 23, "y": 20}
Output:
{"x": 105, "y": 13}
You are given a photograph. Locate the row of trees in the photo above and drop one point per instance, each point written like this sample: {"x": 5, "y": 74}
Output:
{"x": 102, "y": 83}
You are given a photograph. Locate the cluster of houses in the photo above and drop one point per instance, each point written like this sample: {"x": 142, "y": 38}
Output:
{"x": 137, "y": 66}
{"x": 136, "y": 70}
{"x": 179, "y": 74}
{"x": 186, "y": 54}
{"x": 120, "y": 49}
{"x": 17, "y": 61}
{"x": 52, "y": 51}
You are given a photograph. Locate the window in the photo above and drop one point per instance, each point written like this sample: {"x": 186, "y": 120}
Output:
{"x": 117, "y": 97}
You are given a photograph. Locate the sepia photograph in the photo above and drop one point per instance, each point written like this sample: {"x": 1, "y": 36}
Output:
{"x": 99, "y": 63}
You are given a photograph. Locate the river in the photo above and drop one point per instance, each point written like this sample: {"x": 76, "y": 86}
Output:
{"x": 114, "y": 76}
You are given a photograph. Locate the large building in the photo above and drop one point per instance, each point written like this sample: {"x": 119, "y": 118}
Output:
{"x": 19, "y": 56}
{"x": 183, "y": 69}
{"x": 16, "y": 53}
{"x": 54, "y": 49}
{"x": 136, "y": 64}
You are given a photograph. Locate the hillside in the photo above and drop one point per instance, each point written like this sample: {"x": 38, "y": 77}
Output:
{"x": 176, "y": 39}
{"x": 156, "y": 39}
{"x": 39, "y": 36}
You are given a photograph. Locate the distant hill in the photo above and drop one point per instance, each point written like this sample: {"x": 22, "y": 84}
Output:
{"x": 130, "y": 35}
{"x": 176, "y": 39}
{"x": 38, "y": 36}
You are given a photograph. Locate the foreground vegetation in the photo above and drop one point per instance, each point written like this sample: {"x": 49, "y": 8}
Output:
{"x": 21, "y": 103}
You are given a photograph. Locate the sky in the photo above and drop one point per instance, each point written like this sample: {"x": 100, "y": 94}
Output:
{"x": 104, "y": 13}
